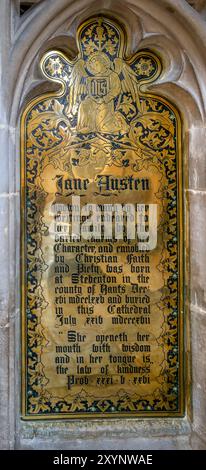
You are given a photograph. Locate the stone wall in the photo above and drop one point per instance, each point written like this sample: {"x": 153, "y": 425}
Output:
{"x": 178, "y": 33}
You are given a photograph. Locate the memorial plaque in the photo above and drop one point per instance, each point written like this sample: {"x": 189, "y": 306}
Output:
{"x": 102, "y": 263}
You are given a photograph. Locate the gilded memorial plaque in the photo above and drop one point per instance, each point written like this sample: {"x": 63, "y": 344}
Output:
{"x": 102, "y": 263}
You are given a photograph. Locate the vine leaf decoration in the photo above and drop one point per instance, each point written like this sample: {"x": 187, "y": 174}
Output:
{"x": 97, "y": 118}
{"x": 101, "y": 101}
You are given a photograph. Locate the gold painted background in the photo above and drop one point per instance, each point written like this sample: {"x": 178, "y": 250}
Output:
{"x": 101, "y": 123}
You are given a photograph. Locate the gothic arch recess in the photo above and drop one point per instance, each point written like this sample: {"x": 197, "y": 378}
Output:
{"x": 162, "y": 28}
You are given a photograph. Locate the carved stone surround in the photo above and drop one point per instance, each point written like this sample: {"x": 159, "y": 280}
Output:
{"x": 178, "y": 33}
{"x": 197, "y": 4}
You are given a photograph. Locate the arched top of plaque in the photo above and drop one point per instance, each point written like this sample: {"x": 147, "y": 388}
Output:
{"x": 104, "y": 41}
{"x": 100, "y": 103}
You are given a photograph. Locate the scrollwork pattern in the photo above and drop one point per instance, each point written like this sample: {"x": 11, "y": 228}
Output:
{"x": 57, "y": 134}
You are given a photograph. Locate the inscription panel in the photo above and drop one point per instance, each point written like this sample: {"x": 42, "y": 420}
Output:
{"x": 102, "y": 270}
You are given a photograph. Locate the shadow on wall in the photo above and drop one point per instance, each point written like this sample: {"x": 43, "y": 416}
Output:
{"x": 25, "y": 6}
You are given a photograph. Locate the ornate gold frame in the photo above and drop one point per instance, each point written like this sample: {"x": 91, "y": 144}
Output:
{"x": 180, "y": 224}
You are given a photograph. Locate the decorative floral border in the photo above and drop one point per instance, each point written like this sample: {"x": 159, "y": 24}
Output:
{"x": 155, "y": 134}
